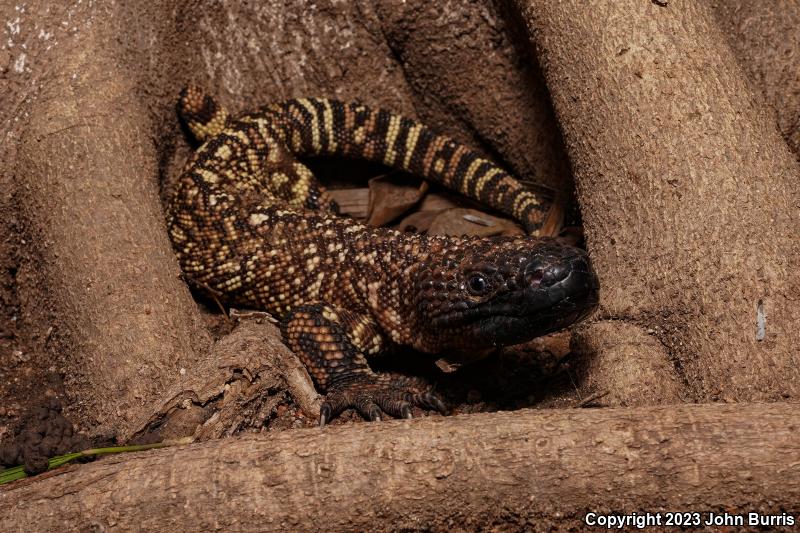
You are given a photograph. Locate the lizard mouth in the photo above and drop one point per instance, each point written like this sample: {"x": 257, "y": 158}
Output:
{"x": 504, "y": 330}
{"x": 567, "y": 294}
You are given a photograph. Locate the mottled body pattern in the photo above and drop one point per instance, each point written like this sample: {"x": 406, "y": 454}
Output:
{"x": 250, "y": 223}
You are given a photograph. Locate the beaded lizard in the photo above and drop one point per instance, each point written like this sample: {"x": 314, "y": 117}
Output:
{"x": 251, "y": 223}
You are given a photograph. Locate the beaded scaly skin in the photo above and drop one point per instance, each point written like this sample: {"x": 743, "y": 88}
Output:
{"x": 251, "y": 224}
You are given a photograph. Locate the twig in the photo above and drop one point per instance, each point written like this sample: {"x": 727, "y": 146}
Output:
{"x": 593, "y": 397}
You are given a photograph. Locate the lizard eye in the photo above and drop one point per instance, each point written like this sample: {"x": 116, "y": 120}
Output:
{"x": 477, "y": 284}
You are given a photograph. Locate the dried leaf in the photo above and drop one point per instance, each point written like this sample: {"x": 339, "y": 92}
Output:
{"x": 472, "y": 222}
{"x": 554, "y": 220}
{"x": 392, "y": 195}
{"x": 418, "y": 221}
{"x": 453, "y": 361}
{"x": 353, "y": 202}
{"x": 436, "y": 201}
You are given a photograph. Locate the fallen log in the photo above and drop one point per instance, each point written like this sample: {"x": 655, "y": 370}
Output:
{"x": 525, "y": 469}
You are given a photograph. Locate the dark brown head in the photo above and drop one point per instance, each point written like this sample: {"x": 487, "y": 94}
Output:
{"x": 504, "y": 291}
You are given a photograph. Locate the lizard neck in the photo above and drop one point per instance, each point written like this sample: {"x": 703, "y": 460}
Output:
{"x": 387, "y": 264}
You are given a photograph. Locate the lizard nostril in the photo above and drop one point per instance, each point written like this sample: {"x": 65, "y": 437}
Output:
{"x": 534, "y": 275}
{"x": 554, "y": 273}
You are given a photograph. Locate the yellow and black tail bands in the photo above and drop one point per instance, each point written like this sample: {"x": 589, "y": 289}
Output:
{"x": 317, "y": 126}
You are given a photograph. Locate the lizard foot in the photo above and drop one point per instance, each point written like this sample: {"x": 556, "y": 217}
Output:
{"x": 371, "y": 395}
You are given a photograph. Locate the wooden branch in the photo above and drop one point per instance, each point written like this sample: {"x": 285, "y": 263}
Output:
{"x": 527, "y": 469}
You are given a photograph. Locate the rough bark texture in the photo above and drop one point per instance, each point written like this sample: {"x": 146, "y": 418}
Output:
{"x": 429, "y": 38}
{"x": 105, "y": 269}
{"x": 619, "y": 364}
{"x": 688, "y": 192}
{"x": 517, "y": 471}
{"x": 765, "y": 38}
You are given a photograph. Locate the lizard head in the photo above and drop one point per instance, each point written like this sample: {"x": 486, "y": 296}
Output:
{"x": 498, "y": 292}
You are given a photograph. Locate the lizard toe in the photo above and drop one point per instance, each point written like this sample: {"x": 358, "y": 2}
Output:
{"x": 372, "y": 395}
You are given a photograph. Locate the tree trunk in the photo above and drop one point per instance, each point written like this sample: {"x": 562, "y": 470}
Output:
{"x": 688, "y": 192}
{"x": 519, "y": 471}
{"x": 689, "y": 197}
{"x": 764, "y": 37}
{"x": 429, "y": 38}
{"x": 103, "y": 274}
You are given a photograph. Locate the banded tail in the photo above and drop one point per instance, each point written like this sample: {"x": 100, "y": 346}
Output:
{"x": 319, "y": 126}
{"x": 204, "y": 116}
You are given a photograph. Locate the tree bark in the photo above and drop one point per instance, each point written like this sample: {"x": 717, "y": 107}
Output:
{"x": 688, "y": 192}
{"x": 430, "y": 38}
{"x": 765, "y": 37}
{"x": 103, "y": 273}
{"x": 689, "y": 197}
{"x": 524, "y": 470}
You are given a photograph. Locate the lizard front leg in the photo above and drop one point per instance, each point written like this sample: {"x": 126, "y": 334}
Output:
{"x": 332, "y": 343}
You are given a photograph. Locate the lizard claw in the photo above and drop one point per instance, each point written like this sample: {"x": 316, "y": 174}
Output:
{"x": 373, "y": 395}
{"x": 372, "y": 412}
{"x": 431, "y": 401}
{"x": 324, "y": 414}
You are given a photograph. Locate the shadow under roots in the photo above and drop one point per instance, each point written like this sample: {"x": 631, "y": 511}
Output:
{"x": 539, "y": 374}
